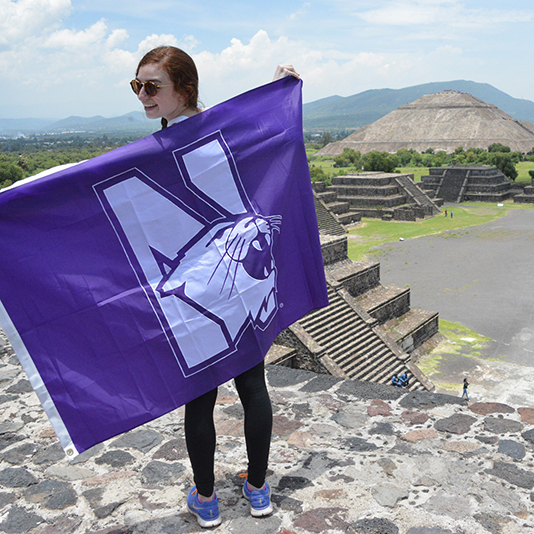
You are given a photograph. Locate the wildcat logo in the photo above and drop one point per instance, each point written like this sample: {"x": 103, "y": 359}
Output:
{"x": 208, "y": 271}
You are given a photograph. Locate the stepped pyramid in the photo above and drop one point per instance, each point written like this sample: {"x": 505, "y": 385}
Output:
{"x": 383, "y": 195}
{"x": 463, "y": 183}
{"x": 366, "y": 333}
{"x": 441, "y": 121}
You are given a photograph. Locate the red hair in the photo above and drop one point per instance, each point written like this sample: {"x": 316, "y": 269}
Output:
{"x": 180, "y": 67}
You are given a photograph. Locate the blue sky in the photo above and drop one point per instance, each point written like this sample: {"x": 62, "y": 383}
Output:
{"x": 67, "y": 57}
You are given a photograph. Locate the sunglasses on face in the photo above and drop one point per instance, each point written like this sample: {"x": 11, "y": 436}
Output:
{"x": 151, "y": 88}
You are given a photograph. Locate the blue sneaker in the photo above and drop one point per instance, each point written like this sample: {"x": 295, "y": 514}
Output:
{"x": 207, "y": 513}
{"x": 260, "y": 500}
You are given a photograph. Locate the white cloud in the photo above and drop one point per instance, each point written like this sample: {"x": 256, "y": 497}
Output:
{"x": 29, "y": 17}
{"x": 72, "y": 40}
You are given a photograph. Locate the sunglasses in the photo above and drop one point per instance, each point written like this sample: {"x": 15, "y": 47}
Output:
{"x": 151, "y": 88}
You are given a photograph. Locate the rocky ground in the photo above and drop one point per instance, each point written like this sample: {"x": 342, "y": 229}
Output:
{"x": 347, "y": 457}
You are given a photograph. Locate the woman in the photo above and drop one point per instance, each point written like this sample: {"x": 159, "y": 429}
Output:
{"x": 167, "y": 85}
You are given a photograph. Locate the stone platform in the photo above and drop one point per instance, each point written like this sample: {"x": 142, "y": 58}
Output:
{"x": 346, "y": 457}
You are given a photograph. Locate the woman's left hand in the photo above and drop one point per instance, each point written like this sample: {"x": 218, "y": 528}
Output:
{"x": 285, "y": 70}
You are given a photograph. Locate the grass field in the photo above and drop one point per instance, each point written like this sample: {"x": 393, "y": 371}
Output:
{"x": 374, "y": 232}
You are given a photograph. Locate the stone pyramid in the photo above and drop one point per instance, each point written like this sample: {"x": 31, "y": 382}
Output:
{"x": 441, "y": 121}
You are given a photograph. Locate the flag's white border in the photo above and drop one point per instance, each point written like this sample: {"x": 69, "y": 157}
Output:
{"x": 37, "y": 383}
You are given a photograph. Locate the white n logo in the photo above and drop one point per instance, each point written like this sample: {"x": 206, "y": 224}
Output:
{"x": 208, "y": 272}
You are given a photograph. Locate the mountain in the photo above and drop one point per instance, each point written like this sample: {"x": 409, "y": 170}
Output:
{"x": 354, "y": 111}
{"x": 133, "y": 122}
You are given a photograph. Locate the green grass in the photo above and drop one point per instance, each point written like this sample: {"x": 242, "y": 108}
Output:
{"x": 522, "y": 168}
{"x": 416, "y": 171}
{"x": 374, "y": 232}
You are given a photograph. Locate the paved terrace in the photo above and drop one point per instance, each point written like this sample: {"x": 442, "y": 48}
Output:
{"x": 347, "y": 457}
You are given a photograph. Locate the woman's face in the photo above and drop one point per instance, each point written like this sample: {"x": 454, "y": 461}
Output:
{"x": 166, "y": 103}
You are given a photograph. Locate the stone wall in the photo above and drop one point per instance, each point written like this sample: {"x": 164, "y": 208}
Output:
{"x": 334, "y": 249}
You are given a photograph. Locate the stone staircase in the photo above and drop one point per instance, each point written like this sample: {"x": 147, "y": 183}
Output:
{"x": 366, "y": 333}
{"x": 332, "y": 215}
{"x": 464, "y": 183}
{"x": 353, "y": 345}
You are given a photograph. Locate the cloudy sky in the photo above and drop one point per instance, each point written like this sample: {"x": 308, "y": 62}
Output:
{"x": 75, "y": 57}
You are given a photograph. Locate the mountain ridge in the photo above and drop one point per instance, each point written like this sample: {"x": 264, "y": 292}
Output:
{"x": 368, "y": 106}
{"x": 329, "y": 113}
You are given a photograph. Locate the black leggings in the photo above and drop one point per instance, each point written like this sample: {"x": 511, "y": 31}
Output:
{"x": 200, "y": 430}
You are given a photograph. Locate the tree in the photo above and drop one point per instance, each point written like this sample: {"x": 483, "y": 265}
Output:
{"x": 498, "y": 147}
{"x": 326, "y": 138}
{"x": 316, "y": 173}
{"x": 504, "y": 163}
{"x": 379, "y": 161}
{"x": 11, "y": 172}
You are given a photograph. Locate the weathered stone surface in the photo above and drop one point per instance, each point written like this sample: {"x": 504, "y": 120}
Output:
{"x": 279, "y": 378}
{"x": 449, "y": 505}
{"x": 22, "y": 386}
{"x": 115, "y": 458}
{"x": 6, "y": 498}
{"x": 320, "y": 383}
{"x": 528, "y": 435}
{"x": 172, "y": 450}
{"x": 460, "y": 446}
{"x": 375, "y": 525}
{"x": 349, "y": 419}
{"x": 418, "y": 435}
{"x": 389, "y": 495}
{"x": 143, "y": 440}
{"x": 323, "y": 465}
{"x": 61, "y": 525}
{"x": 321, "y": 519}
{"x": 458, "y": 423}
{"x": 52, "y": 494}
{"x": 512, "y": 448}
{"x": 19, "y": 521}
{"x": 358, "y": 444}
{"x": 502, "y": 499}
{"x": 527, "y": 415}
{"x": 491, "y": 522}
{"x": 284, "y": 426}
{"x": 20, "y": 455}
{"x": 52, "y": 454}
{"x": 369, "y": 390}
{"x": 430, "y": 530}
{"x": 415, "y": 418}
{"x": 103, "y": 511}
{"x": 378, "y": 407}
{"x": 16, "y": 477}
{"x": 485, "y": 408}
{"x": 489, "y": 440}
{"x": 420, "y": 400}
{"x": 292, "y": 483}
{"x": 69, "y": 472}
{"x": 287, "y": 503}
{"x": 384, "y": 429}
{"x": 501, "y": 426}
{"x": 157, "y": 472}
{"x": 513, "y": 474}
{"x": 8, "y": 428}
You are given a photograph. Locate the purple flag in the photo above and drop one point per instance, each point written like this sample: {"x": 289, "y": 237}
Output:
{"x": 134, "y": 282}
